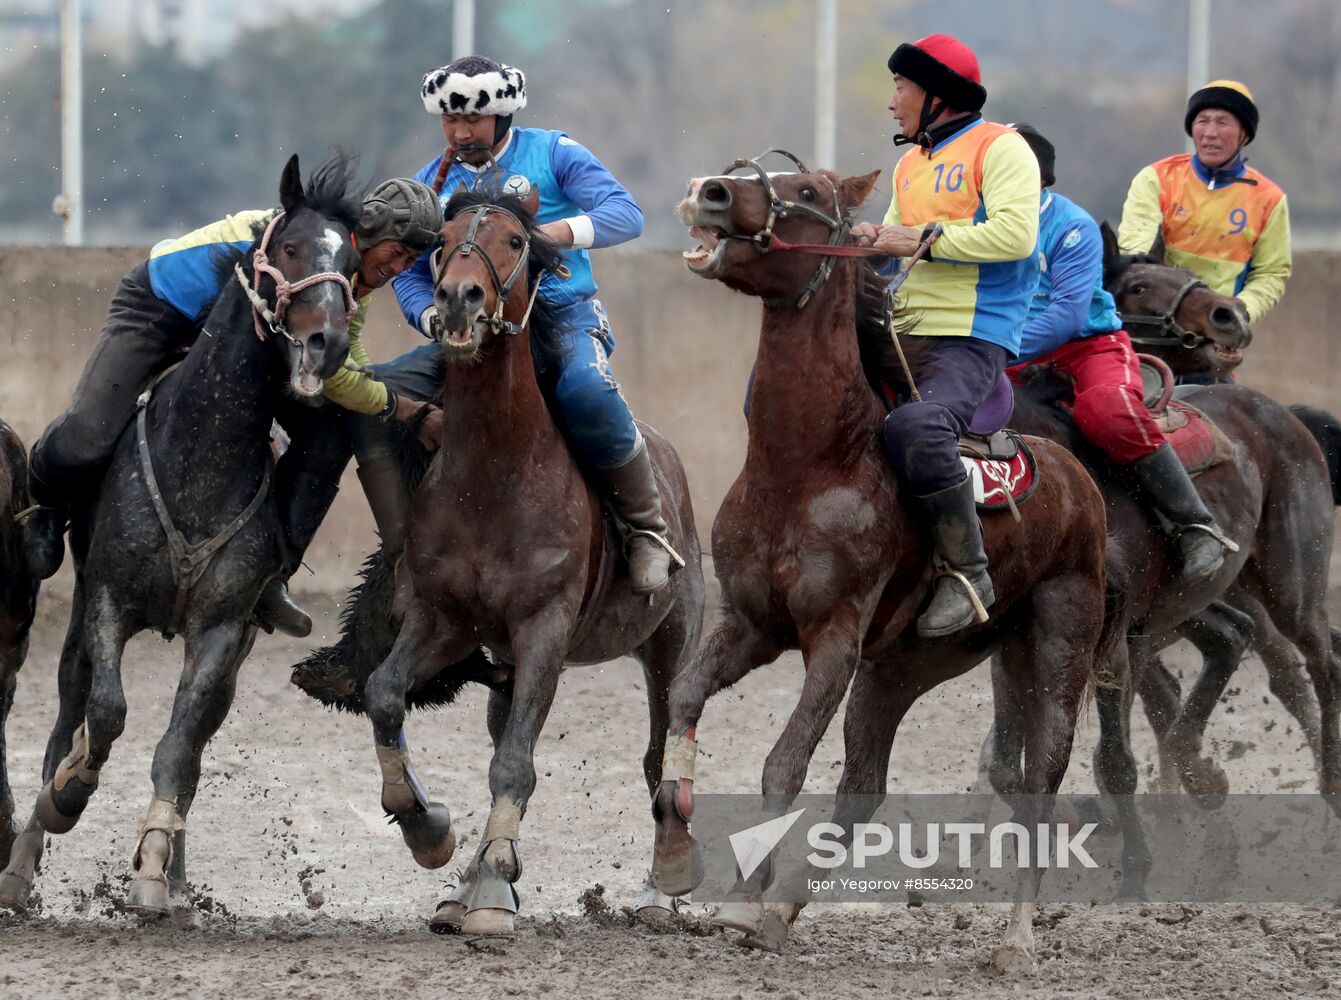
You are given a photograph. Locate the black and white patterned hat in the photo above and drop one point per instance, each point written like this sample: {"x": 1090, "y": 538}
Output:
{"x": 474, "y": 85}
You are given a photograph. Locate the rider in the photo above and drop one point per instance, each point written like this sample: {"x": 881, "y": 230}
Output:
{"x": 581, "y": 206}
{"x": 156, "y": 314}
{"x": 1224, "y": 221}
{"x": 1074, "y": 327}
{"x": 971, "y": 294}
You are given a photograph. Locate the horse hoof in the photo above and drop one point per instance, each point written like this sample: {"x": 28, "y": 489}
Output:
{"x": 656, "y": 906}
{"x": 15, "y": 892}
{"x": 676, "y": 874}
{"x": 50, "y": 814}
{"x": 489, "y": 921}
{"x": 771, "y": 935}
{"x": 738, "y": 915}
{"x": 1013, "y": 962}
{"x": 149, "y": 897}
{"x": 429, "y": 836}
{"x": 448, "y": 917}
{"x": 1205, "y": 779}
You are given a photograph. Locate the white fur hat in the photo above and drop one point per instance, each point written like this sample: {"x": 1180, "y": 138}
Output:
{"x": 474, "y": 85}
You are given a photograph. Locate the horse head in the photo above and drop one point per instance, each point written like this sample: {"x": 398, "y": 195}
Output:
{"x": 1173, "y": 315}
{"x": 741, "y": 221}
{"x": 303, "y": 264}
{"x": 487, "y": 271}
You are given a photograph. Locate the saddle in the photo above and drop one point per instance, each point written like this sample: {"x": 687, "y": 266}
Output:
{"x": 996, "y": 459}
{"x": 1194, "y": 437}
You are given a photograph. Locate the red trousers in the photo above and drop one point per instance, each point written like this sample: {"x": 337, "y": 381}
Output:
{"x": 1109, "y": 407}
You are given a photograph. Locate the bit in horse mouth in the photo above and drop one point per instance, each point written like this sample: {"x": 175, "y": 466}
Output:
{"x": 303, "y": 381}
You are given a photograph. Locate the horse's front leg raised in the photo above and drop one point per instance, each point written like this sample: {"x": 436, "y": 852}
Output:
{"x": 540, "y": 644}
{"x": 731, "y": 650}
{"x": 204, "y": 696}
{"x": 424, "y": 645}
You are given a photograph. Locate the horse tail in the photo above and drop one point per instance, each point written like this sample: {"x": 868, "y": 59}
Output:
{"x": 1326, "y": 430}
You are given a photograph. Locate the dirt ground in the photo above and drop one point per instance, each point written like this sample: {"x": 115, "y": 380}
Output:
{"x": 302, "y": 890}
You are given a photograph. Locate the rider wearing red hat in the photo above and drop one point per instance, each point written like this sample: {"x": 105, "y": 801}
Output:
{"x": 980, "y": 182}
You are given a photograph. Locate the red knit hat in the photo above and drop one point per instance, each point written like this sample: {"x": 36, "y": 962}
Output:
{"x": 944, "y": 67}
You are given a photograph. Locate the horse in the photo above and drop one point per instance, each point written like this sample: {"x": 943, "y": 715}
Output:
{"x": 195, "y": 464}
{"x": 817, "y": 548}
{"x": 18, "y": 605}
{"x": 510, "y": 550}
{"x": 1274, "y": 498}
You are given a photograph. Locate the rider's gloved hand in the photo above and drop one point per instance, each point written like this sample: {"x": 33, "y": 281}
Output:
{"x": 428, "y": 323}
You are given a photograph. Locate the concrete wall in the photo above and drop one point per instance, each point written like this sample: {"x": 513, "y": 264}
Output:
{"x": 685, "y": 347}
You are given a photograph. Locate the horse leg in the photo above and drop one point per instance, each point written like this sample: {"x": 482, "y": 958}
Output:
{"x": 204, "y": 696}
{"x": 1115, "y": 764}
{"x": 1222, "y": 635}
{"x": 73, "y": 680}
{"x": 450, "y": 911}
{"x": 10, "y": 661}
{"x": 1285, "y": 674}
{"x": 423, "y": 647}
{"x": 540, "y": 644}
{"x": 879, "y": 700}
{"x": 731, "y": 650}
{"x": 1162, "y": 699}
{"x": 1052, "y": 664}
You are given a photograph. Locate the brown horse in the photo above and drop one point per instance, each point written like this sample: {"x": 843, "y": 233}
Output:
{"x": 510, "y": 550}
{"x": 18, "y": 605}
{"x": 817, "y": 548}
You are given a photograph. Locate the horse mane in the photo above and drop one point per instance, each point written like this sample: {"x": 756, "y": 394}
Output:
{"x": 547, "y": 347}
{"x": 876, "y": 330}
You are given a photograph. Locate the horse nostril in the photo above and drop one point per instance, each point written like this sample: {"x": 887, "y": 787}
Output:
{"x": 1224, "y": 317}
{"x": 473, "y": 297}
{"x": 316, "y": 345}
{"x": 715, "y": 194}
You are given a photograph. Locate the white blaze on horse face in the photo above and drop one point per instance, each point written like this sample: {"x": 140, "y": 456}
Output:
{"x": 331, "y": 242}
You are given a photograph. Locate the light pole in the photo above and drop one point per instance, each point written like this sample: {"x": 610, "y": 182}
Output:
{"x": 463, "y": 28}
{"x": 69, "y": 204}
{"x": 1198, "y": 47}
{"x": 826, "y": 71}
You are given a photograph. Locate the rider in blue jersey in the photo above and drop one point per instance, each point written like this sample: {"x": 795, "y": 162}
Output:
{"x": 581, "y": 206}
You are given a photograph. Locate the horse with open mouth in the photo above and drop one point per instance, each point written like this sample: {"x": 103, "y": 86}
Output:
{"x": 195, "y": 469}
{"x": 817, "y": 549}
{"x": 510, "y": 549}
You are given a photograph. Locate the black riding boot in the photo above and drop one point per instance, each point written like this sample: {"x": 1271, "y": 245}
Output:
{"x": 632, "y": 491}
{"x": 303, "y": 502}
{"x": 1166, "y": 484}
{"x": 389, "y": 500}
{"x": 961, "y": 563}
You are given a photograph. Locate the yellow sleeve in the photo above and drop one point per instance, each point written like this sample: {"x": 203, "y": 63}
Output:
{"x": 892, "y": 215}
{"x": 1010, "y": 186}
{"x": 352, "y": 389}
{"x": 1141, "y": 214}
{"x": 1271, "y": 264}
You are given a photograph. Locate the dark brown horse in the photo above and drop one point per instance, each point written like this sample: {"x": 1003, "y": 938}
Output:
{"x": 817, "y": 549}
{"x": 510, "y": 550}
{"x": 204, "y": 431}
{"x": 18, "y": 604}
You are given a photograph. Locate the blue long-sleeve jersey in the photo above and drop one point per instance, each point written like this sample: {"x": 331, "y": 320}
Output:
{"x": 573, "y": 185}
{"x": 1070, "y": 301}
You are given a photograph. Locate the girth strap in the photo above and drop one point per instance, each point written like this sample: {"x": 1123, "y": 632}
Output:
{"x": 188, "y": 561}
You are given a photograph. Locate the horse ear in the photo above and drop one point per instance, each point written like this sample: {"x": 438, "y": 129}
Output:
{"x": 1157, "y": 249}
{"x": 532, "y": 202}
{"x": 852, "y": 191}
{"x": 291, "y": 186}
{"x": 1111, "y": 251}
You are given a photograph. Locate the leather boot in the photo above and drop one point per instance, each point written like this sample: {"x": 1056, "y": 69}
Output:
{"x": 961, "y": 563}
{"x": 303, "y": 501}
{"x": 1169, "y": 489}
{"x": 631, "y": 490}
{"x": 389, "y": 500}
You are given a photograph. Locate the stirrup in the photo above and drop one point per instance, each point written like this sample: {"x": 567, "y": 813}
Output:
{"x": 659, "y": 539}
{"x": 27, "y": 512}
{"x": 1210, "y": 529}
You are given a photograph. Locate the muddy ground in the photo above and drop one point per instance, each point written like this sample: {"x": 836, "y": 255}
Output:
{"x": 302, "y": 890}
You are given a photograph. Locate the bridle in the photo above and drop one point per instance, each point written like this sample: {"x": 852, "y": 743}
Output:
{"x": 285, "y": 290}
{"x": 1168, "y": 332}
{"x": 502, "y": 288}
{"x": 766, "y": 241}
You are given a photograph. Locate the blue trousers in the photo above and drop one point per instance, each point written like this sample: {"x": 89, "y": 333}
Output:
{"x": 595, "y": 420}
{"x": 921, "y": 438}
